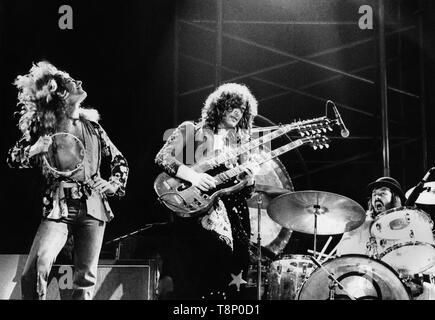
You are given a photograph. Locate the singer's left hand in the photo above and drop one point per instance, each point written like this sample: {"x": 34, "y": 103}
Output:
{"x": 103, "y": 186}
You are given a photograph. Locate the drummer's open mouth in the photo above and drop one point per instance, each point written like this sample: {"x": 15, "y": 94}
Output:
{"x": 379, "y": 205}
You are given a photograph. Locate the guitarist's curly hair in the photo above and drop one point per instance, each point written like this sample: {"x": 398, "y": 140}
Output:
{"x": 225, "y": 96}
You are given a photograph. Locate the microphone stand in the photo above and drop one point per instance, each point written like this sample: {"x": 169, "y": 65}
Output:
{"x": 418, "y": 189}
{"x": 259, "y": 202}
{"x": 119, "y": 239}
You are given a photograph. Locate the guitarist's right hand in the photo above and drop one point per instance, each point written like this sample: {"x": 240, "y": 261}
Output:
{"x": 202, "y": 181}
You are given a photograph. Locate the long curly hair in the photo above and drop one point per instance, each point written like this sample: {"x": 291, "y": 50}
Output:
{"x": 225, "y": 96}
{"x": 41, "y": 99}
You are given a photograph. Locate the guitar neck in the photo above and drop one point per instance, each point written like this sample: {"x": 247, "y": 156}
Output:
{"x": 224, "y": 157}
{"x": 231, "y": 173}
{"x": 301, "y": 126}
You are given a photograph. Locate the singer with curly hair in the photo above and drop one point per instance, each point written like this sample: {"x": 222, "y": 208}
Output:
{"x": 66, "y": 142}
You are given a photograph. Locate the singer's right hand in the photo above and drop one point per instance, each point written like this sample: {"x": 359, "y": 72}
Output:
{"x": 41, "y": 145}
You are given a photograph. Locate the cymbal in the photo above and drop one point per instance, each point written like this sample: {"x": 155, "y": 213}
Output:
{"x": 336, "y": 214}
{"x": 271, "y": 191}
{"x": 268, "y": 192}
{"x": 428, "y": 194}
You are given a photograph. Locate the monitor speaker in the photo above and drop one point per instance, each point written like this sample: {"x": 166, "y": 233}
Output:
{"x": 116, "y": 280}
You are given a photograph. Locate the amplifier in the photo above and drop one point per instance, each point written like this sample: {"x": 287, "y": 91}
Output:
{"x": 116, "y": 280}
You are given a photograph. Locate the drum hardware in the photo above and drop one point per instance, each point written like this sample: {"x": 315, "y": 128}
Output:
{"x": 427, "y": 194}
{"x": 361, "y": 276}
{"x": 286, "y": 276}
{"x": 332, "y": 288}
{"x": 335, "y": 283}
{"x": 372, "y": 248}
{"x": 271, "y": 191}
{"x": 316, "y": 213}
{"x": 119, "y": 240}
{"x": 416, "y": 195}
{"x": 413, "y": 283}
{"x": 259, "y": 202}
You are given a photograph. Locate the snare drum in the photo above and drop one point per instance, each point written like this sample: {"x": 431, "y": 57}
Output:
{"x": 286, "y": 276}
{"x": 404, "y": 239}
{"x": 362, "y": 277}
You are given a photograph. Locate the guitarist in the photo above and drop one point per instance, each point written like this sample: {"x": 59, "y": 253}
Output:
{"x": 215, "y": 245}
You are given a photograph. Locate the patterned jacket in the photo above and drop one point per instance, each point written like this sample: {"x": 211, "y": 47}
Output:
{"x": 189, "y": 144}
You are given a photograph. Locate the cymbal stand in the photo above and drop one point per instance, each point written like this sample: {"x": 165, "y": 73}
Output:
{"x": 259, "y": 202}
{"x": 334, "y": 280}
{"x": 316, "y": 212}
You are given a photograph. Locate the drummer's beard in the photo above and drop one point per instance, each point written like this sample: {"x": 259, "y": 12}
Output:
{"x": 379, "y": 206}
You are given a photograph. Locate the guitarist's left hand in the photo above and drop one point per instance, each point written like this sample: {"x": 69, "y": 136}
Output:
{"x": 251, "y": 171}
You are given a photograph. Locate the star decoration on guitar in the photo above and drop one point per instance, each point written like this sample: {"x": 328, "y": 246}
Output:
{"x": 237, "y": 280}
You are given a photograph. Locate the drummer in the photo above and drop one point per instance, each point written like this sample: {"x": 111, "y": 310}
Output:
{"x": 385, "y": 193}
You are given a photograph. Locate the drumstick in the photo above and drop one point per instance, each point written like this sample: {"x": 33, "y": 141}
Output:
{"x": 325, "y": 246}
{"x": 331, "y": 253}
{"x": 318, "y": 254}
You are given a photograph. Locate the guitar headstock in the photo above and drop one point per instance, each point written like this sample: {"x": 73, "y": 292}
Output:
{"x": 313, "y": 127}
{"x": 317, "y": 141}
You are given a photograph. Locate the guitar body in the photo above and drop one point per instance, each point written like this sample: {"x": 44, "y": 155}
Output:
{"x": 188, "y": 201}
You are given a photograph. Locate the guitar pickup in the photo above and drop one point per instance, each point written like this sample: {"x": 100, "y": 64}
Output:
{"x": 197, "y": 202}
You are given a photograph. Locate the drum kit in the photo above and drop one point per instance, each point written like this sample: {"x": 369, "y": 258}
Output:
{"x": 401, "y": 249}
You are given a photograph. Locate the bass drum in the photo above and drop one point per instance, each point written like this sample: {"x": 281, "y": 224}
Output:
{"x": 273, "y": 236}
{"x": 361, "y": 276}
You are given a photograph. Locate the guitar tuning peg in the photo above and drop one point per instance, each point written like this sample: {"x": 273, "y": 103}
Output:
{"x": 326, "y": 145}
{"x": 313, "y": 131}
{"x": 314, "y": 147}
{"x": 321, "y": 146}
{"x": 319, "y": 131}
{"x": 301, "y": 133}
{"x": 324, "y": 129}
{"x": 329, "y": 128}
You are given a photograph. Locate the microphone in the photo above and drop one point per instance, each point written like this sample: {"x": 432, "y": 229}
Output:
{"x": 418, "y": 189}
{"x": 344, "y": 132}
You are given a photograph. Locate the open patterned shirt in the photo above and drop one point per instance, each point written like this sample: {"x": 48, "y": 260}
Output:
{"x": 98, "y": 148}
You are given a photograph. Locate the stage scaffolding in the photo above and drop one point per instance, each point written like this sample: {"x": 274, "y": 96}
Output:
{"x": 220, "y": 29}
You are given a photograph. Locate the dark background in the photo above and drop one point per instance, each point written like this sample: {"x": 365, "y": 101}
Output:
{"x": 124, "y": 53}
